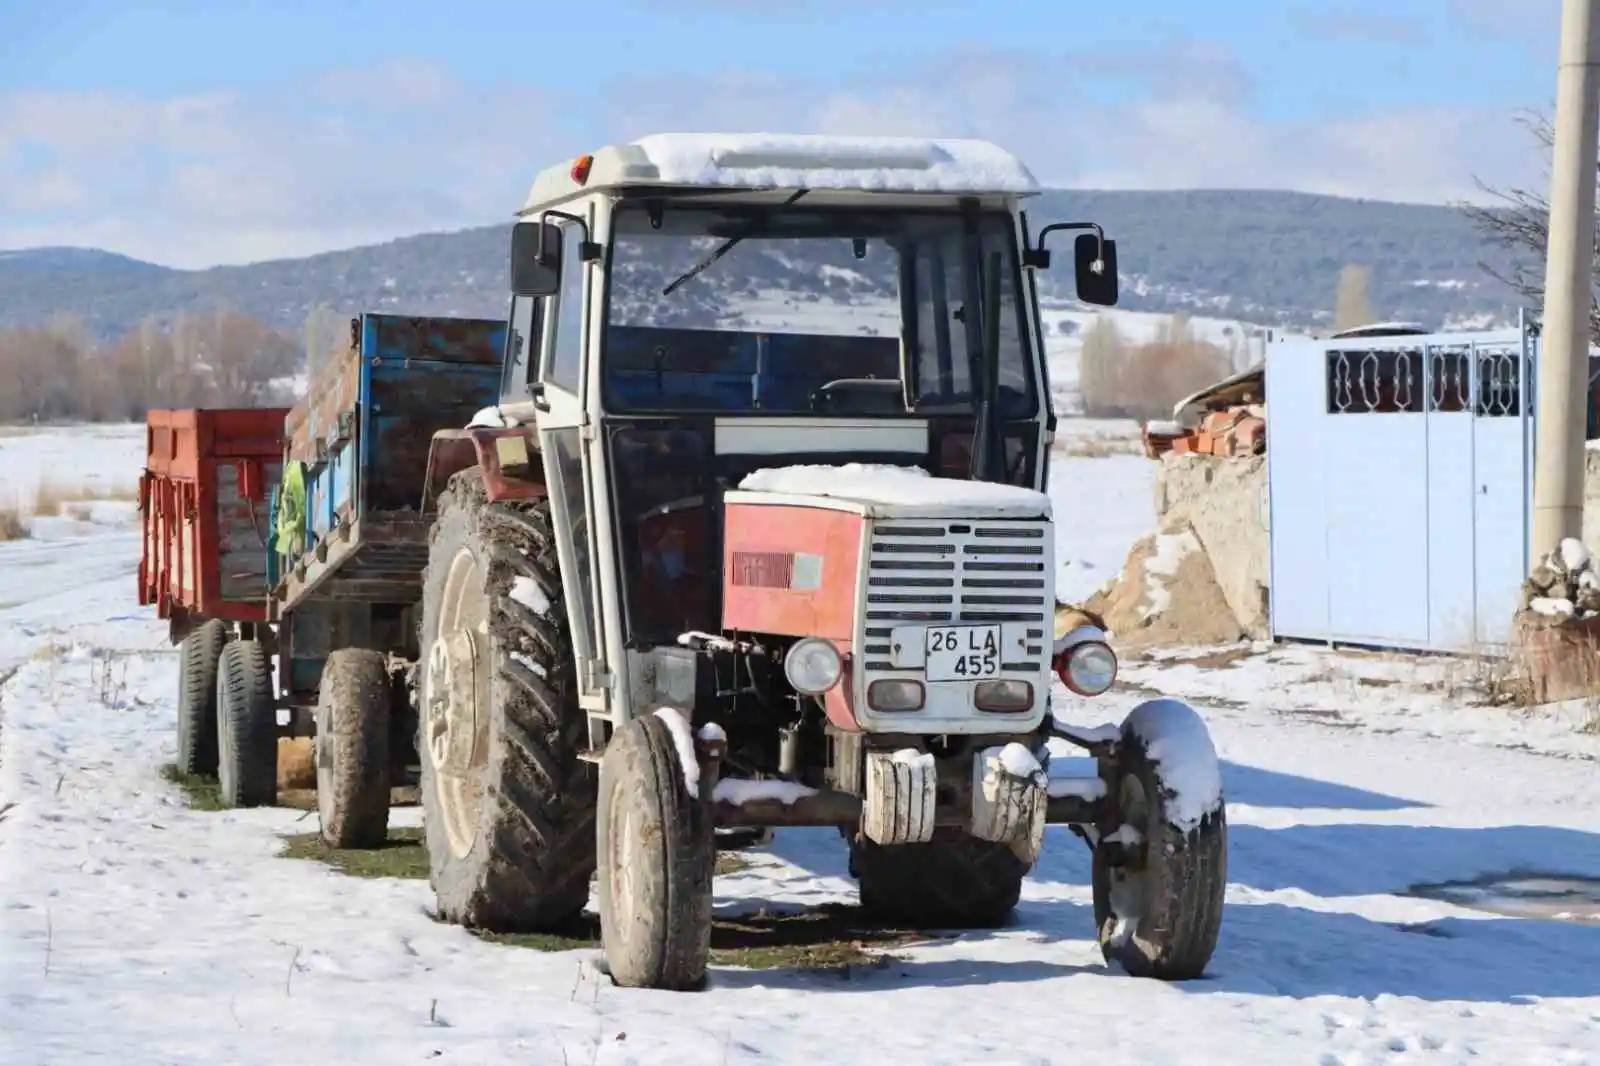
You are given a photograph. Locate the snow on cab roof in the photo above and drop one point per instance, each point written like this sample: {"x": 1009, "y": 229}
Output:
{"x": 901, "y": 490}
{"x": 791, "y": 161}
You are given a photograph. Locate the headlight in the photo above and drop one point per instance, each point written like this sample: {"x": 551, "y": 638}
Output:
{"x": 1088, "y": 668}
{"x": 1005, "y": 697}
{"x": 813, "y": 666}
{"x": 893, "y": 694}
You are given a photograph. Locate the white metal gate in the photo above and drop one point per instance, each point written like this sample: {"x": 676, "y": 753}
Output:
{"x": 1399, "y": 488}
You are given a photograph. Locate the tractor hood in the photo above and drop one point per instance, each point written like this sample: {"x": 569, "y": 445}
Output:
{"x": 894, "y": 492}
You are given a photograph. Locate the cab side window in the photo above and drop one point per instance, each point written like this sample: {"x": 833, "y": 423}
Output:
{"x": 563, "y": 365}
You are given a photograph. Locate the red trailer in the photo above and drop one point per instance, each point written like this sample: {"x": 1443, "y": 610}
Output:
{"x": 203, "y": 496}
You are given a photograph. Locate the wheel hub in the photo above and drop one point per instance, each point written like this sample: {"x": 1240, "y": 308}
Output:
{"x": 454, "y": 708}
{"x": 451, "y": 697}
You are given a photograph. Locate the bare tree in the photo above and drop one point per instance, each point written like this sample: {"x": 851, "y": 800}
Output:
{"x": 1100, "y": 365}
{"x": 1353, "y": 303}
{"x": 1121, "y": 380}
{"x": 1519, "y": 222}
{"x": 59, "y": 373}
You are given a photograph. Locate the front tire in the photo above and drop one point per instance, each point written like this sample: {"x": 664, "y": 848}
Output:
{"x": 1158, "y": 906}
{"x": 198, "y": 655}
{"x": 656, "y": 860}
{"x": 247, "y": 727}
{"x": 508, "y": 806}
{"x": 353, "y": 748}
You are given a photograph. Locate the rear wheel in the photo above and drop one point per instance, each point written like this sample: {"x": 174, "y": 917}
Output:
{"x": 353, "y": 748}
{"x": 955, "y": 881}
{"x": 508, "y": 806}
{"x": 656, "y": 861}
{"x": 197, "y": 697}
{"x": 1158, "y": 891}
{"x": 247, "y": 727}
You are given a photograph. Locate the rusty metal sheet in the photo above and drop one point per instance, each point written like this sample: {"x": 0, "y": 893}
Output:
{"x": 398, "y": 338}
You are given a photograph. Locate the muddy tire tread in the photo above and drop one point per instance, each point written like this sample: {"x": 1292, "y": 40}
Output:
{"x": 529, "y": 868}
{"x": 354, "y": 700}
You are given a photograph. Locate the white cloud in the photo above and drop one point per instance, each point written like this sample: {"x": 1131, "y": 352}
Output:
{"x": 196, "y": 180}
{"x": 362, "y": 156}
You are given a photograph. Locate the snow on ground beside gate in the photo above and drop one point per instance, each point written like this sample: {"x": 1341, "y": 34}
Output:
{"x": 138, "y": 931}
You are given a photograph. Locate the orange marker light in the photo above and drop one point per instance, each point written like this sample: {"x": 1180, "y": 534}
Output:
{"x": 580, "y": 169}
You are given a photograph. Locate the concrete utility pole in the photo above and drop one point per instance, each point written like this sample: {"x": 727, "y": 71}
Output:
{"x": 1569, "y": 266}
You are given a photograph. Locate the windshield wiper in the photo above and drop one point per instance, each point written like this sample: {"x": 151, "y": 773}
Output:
{"x": 722, "y": 250}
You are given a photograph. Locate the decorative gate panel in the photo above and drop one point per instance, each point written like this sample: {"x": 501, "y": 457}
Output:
{"x": 1399, "y": 488}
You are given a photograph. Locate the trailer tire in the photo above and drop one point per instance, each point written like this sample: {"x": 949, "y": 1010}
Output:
{"x": 655, "y": 919}
{"x": 511, "y": 831}
{"x": 198, "y": 654}
{"x": 352, "y": 746}
{"x": 955, "y": 881}
{"x": 1159, "y": 914}
{"x": 247, "y": 727}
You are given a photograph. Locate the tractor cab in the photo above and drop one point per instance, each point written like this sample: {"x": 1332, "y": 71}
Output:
{"x": 689, "y": 310}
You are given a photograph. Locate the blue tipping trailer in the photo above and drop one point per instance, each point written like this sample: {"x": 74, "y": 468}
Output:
{"x": 350, "y": 531}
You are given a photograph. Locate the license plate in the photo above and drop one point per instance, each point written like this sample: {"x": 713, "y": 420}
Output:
{"x": 963, "y": 653}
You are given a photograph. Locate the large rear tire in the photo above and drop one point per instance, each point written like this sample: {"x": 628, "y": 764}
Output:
{"x": 657, "y": 854}
{"x": 955, "y": 881}
{"x": 1158, "y": 907}
{"x": 247, "y": 727}
{"x": 508, "y": 805}
{"x": 353, "y": 748}
{"x": 198, "y": 655}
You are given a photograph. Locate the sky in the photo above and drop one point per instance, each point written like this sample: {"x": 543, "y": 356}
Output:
{"x": 229, "y": 131}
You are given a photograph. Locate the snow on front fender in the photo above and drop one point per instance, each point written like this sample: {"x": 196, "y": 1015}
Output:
{"x": 1178, "y": 744}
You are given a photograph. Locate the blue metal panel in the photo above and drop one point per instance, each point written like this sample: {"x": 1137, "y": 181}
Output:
{"x": 1298, "y": 531}
{"x": 1452, "y": 609}
{"x": 1502, "y": 511}
{"x": 1376, "y": 466}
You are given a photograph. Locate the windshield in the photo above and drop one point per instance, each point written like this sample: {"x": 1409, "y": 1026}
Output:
{"x": 798, "y": 310}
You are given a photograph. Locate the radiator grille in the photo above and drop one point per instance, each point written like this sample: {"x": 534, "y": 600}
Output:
{"x": 968, "y": 572}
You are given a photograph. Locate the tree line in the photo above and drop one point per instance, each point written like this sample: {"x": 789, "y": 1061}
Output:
{"x": 60, "y": 373}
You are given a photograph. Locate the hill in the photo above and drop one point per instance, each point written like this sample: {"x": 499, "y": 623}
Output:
{"x": 1264, "y": 256}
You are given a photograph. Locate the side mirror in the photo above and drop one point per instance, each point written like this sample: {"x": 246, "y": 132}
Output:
{"x": 1095, "y": 260}
{"x": 535, "y": 259}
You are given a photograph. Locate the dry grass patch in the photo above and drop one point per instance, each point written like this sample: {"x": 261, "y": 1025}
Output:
{"x": 12, "y": 526}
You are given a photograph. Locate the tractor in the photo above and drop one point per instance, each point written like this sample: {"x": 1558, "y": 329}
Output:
{"x": 756, "y": 537}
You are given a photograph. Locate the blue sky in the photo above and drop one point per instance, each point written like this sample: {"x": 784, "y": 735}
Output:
{"x": 196, "y": 133}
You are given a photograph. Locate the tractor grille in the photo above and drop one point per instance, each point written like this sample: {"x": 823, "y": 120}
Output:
{"x": 925, "y": 573}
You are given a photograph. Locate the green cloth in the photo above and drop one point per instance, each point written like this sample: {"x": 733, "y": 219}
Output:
{"x": 292, "y": 509}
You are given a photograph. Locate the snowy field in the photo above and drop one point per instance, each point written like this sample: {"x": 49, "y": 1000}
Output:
{"x": 137, "y": 931}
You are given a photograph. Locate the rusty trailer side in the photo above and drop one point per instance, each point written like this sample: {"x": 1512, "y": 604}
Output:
{"x": 205, "y": 516}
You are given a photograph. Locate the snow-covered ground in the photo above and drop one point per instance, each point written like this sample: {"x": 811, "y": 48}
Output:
{"x": 134, "y": 930}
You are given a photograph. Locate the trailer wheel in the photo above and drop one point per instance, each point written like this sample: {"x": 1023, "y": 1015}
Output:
{"x": 353, "y": 748}
{"x": 197, "y": 697}
{"x": 955, "y": 881}
{"x": 656, "y": 861}
{"x": 508, "y": 805}
{"x": 247, "y": 727}
{"x": 1158, "y": 892}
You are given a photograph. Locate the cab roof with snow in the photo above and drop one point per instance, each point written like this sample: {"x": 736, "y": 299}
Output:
{"x": 766, "y": 161}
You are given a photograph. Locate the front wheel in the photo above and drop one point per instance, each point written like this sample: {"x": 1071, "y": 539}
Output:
{"x": 656, "y": 853}
{"x": 1159, "y": 884}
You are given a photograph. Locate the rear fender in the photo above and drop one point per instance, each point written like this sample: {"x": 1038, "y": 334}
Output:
{"x": 508, "y": 458}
